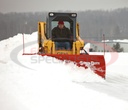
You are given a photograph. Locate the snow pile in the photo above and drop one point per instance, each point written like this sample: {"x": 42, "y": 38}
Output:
{"x": 50, "y": 84}
{"x": 125, "y": 40}
{"x": 117, "y": 40}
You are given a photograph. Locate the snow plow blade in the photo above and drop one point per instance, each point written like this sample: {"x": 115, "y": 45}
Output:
{"x": 95, "y": 62}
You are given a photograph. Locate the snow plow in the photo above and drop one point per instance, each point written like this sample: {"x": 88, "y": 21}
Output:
{"x": 47, "y": 43}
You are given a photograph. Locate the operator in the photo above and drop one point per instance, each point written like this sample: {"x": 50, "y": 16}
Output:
{"x": 62, "y": 32}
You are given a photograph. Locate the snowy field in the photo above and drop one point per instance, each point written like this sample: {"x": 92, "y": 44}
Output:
{"x": 45, "y": 83}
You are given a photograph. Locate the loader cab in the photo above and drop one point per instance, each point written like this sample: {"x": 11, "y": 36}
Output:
{"x": 69, "y": 20}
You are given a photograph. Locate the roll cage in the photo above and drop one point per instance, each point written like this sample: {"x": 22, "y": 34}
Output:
{"x": 69, "y": 21}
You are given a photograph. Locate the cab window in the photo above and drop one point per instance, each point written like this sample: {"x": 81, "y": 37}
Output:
{"x": 55, "y": 23}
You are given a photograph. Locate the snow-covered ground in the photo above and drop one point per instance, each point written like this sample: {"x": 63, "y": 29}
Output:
{"x": 45, "y": 83}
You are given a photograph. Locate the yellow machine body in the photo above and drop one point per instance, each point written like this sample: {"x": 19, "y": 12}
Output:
{"x": 49, "y": 45}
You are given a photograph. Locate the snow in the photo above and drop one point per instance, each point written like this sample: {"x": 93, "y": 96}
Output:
{"x": 125, "y": 40}
{"x": 117, "y": 40}
{"x": 45, "y": 83}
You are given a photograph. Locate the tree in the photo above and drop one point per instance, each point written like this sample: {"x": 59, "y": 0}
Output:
{"x": 117, "y": 48}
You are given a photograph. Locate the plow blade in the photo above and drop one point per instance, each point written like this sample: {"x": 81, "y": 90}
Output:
{"x": 95, "y": 62}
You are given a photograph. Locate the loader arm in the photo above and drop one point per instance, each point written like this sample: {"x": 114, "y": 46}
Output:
{"x": 41, "y": 33}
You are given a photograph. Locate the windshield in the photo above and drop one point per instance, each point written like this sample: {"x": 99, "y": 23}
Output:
{"x": 55, "y": 23}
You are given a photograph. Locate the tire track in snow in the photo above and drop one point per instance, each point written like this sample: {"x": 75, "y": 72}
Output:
{"x": 115, "y": 85}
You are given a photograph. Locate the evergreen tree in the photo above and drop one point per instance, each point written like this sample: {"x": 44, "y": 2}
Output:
{"x": 117, "y": 48}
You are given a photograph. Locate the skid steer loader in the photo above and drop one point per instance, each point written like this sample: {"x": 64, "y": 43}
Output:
{"x": 47, "y": 45}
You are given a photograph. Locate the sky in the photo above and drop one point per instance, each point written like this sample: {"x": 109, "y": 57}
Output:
{"x": 63, "y": 5}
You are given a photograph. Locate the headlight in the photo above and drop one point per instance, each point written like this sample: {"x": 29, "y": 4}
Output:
{"x": 73, "y": 14}
{"x": 51, "y": 14}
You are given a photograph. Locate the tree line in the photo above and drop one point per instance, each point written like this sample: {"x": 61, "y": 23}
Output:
{"x": 93, "y": 24}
